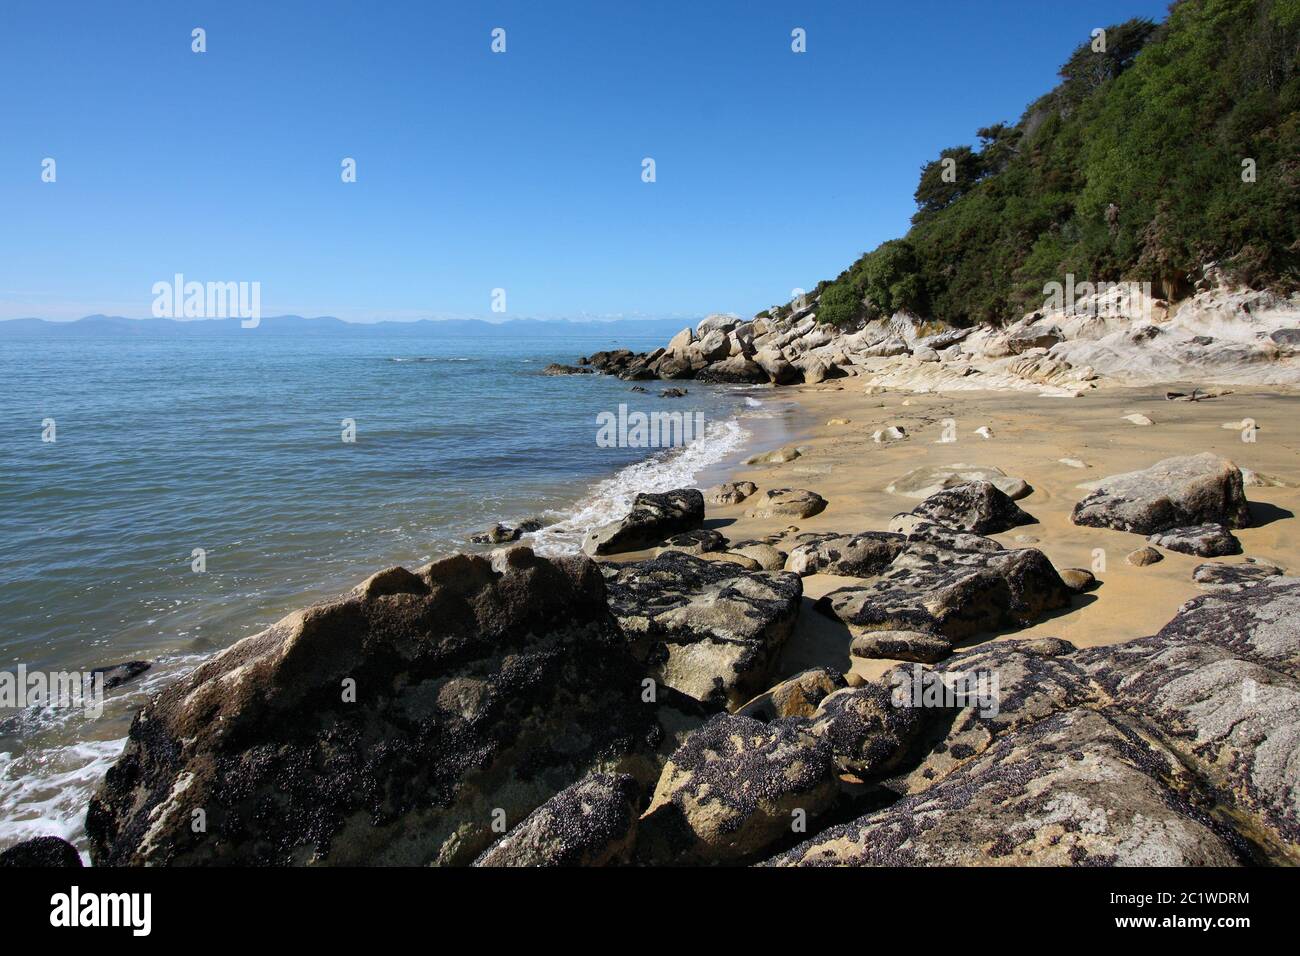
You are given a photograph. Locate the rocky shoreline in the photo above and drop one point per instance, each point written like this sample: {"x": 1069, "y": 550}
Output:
{"x": 768, "y": 672}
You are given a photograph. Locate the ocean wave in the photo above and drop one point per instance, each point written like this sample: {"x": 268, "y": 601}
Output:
{"x": 612, "y": 498}
{"x": 430, "y": 358}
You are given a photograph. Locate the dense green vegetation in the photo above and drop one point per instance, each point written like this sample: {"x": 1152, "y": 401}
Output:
{"x": 1130, "y": 169}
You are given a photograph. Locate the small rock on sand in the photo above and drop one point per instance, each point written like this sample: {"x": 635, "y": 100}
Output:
{"x": 792, "y": 502}
{"x": 1144, "y": 556}
{"x": 1138, "y": 419}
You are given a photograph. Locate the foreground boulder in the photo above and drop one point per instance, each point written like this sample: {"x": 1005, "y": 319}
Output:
{"x": 709, "y": 629}
{"x": 390, "y": 727}
{"x": 592, "y": 823}
{"x": 653, "y": 518}
{"x": 734, "y": 787}
{"x": 1189, "y": 490}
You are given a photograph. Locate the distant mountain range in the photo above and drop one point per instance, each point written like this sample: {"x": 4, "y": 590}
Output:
{"x": 328, "y": 325}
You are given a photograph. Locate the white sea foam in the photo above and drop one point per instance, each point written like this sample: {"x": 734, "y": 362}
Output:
{"x": 611, "y": 499}
{"x": 44, "y": 792}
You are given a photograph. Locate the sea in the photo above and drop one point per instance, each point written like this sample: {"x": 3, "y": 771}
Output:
{"x": 163, "y": 496}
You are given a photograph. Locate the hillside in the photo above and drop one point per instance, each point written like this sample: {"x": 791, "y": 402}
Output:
{"x": 1174, "y": 148}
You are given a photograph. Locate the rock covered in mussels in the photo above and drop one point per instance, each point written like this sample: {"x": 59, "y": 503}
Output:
{"x": 386, "y": 727}
{"x": 977, "y": 507}
{"x": 591, "y": 823}
{"x": 1204, "y": 540}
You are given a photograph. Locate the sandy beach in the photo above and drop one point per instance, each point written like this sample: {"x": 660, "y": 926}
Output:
{"x": 1031, "y": 435}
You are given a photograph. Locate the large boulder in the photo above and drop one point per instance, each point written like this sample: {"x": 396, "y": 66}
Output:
{"x": 779, "y": 370}
{"x": 736, "y": 786}
{"x": 1175, "y": 492}
{"x": 978, "y": 507}
{"x": 393, "y": 726}
{"x": 736, "y": 370}
{"x": 850, "y": 555}
{"x": 653, "y": 518}
{"x": 592, "y": 823}
{"x": 868, "y": 729}
{"x": 709, "y": 629}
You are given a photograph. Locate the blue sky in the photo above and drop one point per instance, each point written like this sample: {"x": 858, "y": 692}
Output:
{"x": 477, "y": 170}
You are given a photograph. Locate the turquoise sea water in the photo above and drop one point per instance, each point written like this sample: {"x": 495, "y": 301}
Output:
{"x": 233, "y": 444}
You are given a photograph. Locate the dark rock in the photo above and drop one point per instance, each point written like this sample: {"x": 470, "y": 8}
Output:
{"x": 45, "y": 851}
{"x": 708, "y": 629}
{"x": 700, "y": 541}
{"x": 869, "y": 731}
{"x": 917, "y": 530}
{"x": 1175, "y": 492}
{"x": 497, "y": 534}
{"x": 673, "y": 393}
{"x": 385, "y": 727}
{"x": 115, "y": 675}
{"x": 591, "y": 823}
{"x": 736, "y": 370}
{"x": 653, "y": 518}
{"x": 976, "y": 506}
{"x": 1206, "y": 540}
{"x": 557, "y": 369}
{"x": 901, "y": 646}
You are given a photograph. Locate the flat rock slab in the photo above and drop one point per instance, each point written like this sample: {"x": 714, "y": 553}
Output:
{"x": 1175, "y": 492}
{"x": 850, "y": 555}
{"x": 951, "y": 595}
{"x": 923, "y": 482}
{"x": 787, "y": 503}
{"x": 1075, "y": 788}
{"x": 709, "y": 629}
{"x": 1234, "y": 577}
{"x": 977, "y": 507}
{"x": 1204, "y": 540}
{"x": 653, "y": 518}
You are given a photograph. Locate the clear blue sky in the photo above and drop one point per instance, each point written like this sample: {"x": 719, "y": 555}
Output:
{"x": 475, "y": 170}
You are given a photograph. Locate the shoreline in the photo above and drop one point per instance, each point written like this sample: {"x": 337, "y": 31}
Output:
{"x": 1031, "y": 433}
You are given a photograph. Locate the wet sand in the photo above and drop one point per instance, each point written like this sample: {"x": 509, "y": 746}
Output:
{"x": 1030, "y": 435}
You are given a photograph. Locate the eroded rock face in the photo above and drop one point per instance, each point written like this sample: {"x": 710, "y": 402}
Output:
{"x": 591, "y": 823}
{"x": 1175, "y": 492}
{"x": 787, "y": 503}
{"x": 1205, "y": 540}
{"x": 386, "y": 727}
{"x": 1075, "y": 788}
{"x": 851, "y": 555}
{"x": 734, "y": 787}
{"x": 709, "y": 629}
{"x": 976, "y": 506}
{"x": 653, "y": 518}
